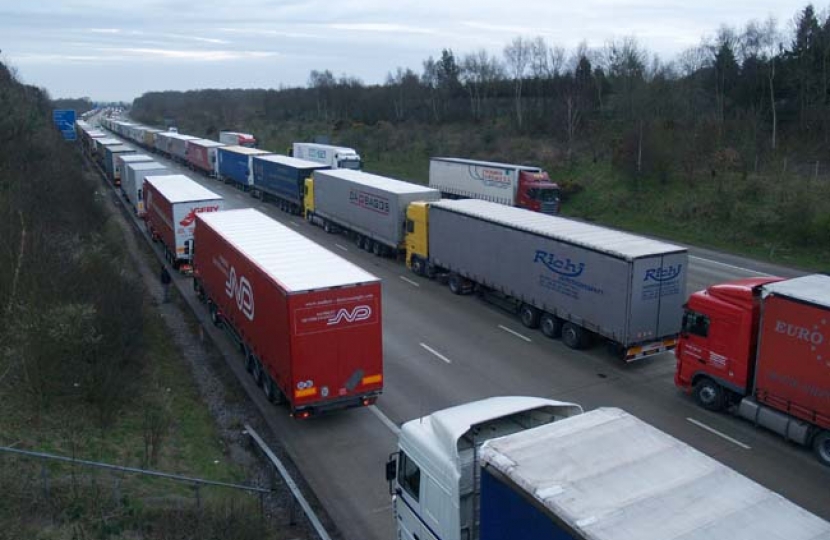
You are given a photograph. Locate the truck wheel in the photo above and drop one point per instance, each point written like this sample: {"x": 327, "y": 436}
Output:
{"x": 257, "y": 372}
{"x": 530, "y": 316}
{"x": 327, "y": 227}
{"x": 268, "y": 388}
{"x": 821, "y": 446}
{"x": 551, "y": 325}
{"x": 455, "y": 284}
{"x": 709, "y": 395}
{"x": 214, "y": 314}
{"x": 573, "y": 335}
{"x": 417, "y": 266}
{"x": 249, "y": 363}
{"x": 368, "y": 245}
{"x": 309, "y": 216}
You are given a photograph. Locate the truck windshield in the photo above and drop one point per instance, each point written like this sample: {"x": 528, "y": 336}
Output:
{"x": 353, "y": 164}
{"x": 544, "y": 194}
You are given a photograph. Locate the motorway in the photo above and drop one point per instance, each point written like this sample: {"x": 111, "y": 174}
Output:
{"x": 442, "y": 350}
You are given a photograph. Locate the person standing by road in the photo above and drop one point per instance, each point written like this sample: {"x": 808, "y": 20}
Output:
{"x": 165, "y": 283}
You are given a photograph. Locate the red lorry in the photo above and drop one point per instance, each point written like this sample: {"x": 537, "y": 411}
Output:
{"x": 171, "y": 204}
{"x": 308, "y": 322}
{"x": 762, "y": 344}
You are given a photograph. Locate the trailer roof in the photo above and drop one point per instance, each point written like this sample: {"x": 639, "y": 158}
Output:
{"x": 120, "y": 148}
{"x": 328, "y": 146}
{"x": 245, "y": 150}
{"x": 178, "y": 188}
{"x": 206, "y": 143}
{"x": 293, "y": 162}
{"x": 814, "y": 289}
{"x": 144, "y": 165}
{"x": 611, "y": 476}
{"x": 390, "y": 185}
{"x": 289, "y": 258}
{"x": 613, "y": 242}
{"x": 136, "y": 158}
{"x": 478, "y": 163}
{"x": 109, "y": 141}
{"x": 183, "y": 137}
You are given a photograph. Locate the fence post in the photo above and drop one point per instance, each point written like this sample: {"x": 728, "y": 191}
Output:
{"x": 196, "y": 487}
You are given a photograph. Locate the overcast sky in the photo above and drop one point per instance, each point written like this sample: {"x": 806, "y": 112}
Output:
{"x": 119, "y": 49}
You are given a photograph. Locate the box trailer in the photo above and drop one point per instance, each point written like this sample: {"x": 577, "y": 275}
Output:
{"x": 282, "y": 178}
{"x": 132, "y": 184}
{"x": 178, "y": 147}
{"x": 371, "y": 208}
{"x": 523, "y": 186}
{"x": 122, "y": 160}
{"x": 111, "y": 163}
{"x": 235, "y": 165}
{"x": 148, "y": 137}
{"x": 100, "y": 145}
{"x": 308, "y": 321}
{"x": 172, "y": 203}
{"x": 201, "y": 155}
{"x": 762, "y": 344}
{"x": 574, "y": 279}
{"x": 336, "y": 157}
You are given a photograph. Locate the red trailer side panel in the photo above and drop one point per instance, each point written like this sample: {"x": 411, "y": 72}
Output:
{"x": 793, "y": 368}
{"x": 321, "y": 346}
{"x": 159, "y": 215}
{"x": 197, "y": 156}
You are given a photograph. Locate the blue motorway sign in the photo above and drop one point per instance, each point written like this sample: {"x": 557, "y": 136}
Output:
{"x": 65, "y": 121}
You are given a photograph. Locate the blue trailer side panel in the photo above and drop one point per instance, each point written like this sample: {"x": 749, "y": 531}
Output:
{"x": 281, "y": 180}
{"x": 233, "y": 166}
{"x": 506, "y": 515}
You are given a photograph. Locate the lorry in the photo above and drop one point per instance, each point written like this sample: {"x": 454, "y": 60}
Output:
{"x": 147, "y": 137}
{"x": 121, "y": 160}
{"x": 161, "y": 142}
{"x": 336, "y": 157}
{"x": 100, "y": 145}
{"x": 132, "y": 184}
{"x": 573, "y": 280}
{"x": 283, "y": 179}
{"x": 502, "y": 469}
{"x": 201, "y": 155}
{"x": 235, "y": 165}
{"x": 522, "y": 186}
{"x": 307, "y": 321}
{"x": 236, "y": 138}
{"x": 177, "y": 147}
{"x": 762, "y": 345}
{"x": 371, "y": 208}
{"x": 172, "y": 203}
{"x": 111, "y": 163}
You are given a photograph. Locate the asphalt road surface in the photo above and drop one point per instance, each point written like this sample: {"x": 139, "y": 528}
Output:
{"x": 442, "y": 350}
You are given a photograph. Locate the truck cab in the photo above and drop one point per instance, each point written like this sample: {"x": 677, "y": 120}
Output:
{"x": 537, "y": 193}
{"x": 434, "y": 476}
{"x": 716, "y": 351}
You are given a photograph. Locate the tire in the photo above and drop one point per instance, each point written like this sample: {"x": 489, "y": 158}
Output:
{"x": 378, "y": 249}
{"x": 214, "y": 314}
{"x": 530, "y": 316}
{"x": 456, "y": 287}
{"x": 327, "y": 227}
{"x": 368, "y": 245}
{"x": 249, "y": 363}
{"x": 417, "y": 266}
{"x": 709, "y": 395}
{"x": 257, "y": 372}
{"x": 821, "y": 446}
{"x": 551, "y": 325}
{"x": 573, "y": 335}
{"x": 309, "y": 216}
{"x": 268, "y": 388}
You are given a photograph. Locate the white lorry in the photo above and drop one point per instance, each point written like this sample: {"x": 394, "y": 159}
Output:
{"x": 336, "y": 157}
{"x": 533, "y": 469}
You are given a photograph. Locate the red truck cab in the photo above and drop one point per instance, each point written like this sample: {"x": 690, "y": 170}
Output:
{"x": 537, "y": 193}
{"x": 718, "y": 340}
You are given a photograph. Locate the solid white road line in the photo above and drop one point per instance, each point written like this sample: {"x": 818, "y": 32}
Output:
{"x": 344, "y": 248}
{"x": 518, "y": 335}
{"x": 732, "y": 266}
{"x": 385, "y": 420}
{"x": 718, "y": 433}
{"x": 294, "y": 223}
{"x": 414, "y": 284}
{"x": 436, "y": 353}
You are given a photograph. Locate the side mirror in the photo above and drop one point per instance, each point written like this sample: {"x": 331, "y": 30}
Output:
{"x": 391, "y": 468}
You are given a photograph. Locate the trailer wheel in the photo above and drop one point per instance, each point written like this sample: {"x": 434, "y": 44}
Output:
{"x": 327, "y": 227}
{"x": 821, "y": 446}
{"x": 268, "y": 388}
{"x": 529, "y": 316}
{"x": 551, "y": 325}
{"x": 417, "y": 266}
{"x": 456, "y": 287}
{"x": 378, "y": 249}
{"x": 250, "y": 359}
{"x": 709, "y": 395}
{"x": 257, "y": 372}
{"x": 573, "y": 335}
{"x": 214, "y": 314}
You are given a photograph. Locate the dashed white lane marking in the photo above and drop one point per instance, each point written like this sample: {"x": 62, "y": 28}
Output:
{"x": 518, "y": 335}
{"x": 714, "y": 431}
{"x": 385, "y": 420}
{"x": 436, "y": 353}
{"x": 727, "y": 265}
{"x": 414, "y": 284}
{"x": 294, "y": 223}
{"x": 338, "y": 246}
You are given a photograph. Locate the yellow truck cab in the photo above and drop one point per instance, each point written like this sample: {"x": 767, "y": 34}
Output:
{"x": 417, "y": 229}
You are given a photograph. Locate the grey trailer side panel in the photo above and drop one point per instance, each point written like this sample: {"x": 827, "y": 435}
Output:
{"x": 657, "y": 296}
{"x": 591, "y": 288}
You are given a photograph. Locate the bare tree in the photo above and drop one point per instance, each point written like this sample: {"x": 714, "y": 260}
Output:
{"x": 770, "y": 47}
{"x": 517, "y": 56}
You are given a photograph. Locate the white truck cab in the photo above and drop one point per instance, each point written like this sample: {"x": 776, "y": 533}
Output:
{"x": 336, "y": 157}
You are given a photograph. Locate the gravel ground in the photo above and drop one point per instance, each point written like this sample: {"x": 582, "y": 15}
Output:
{"x": 221, "y": 392}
